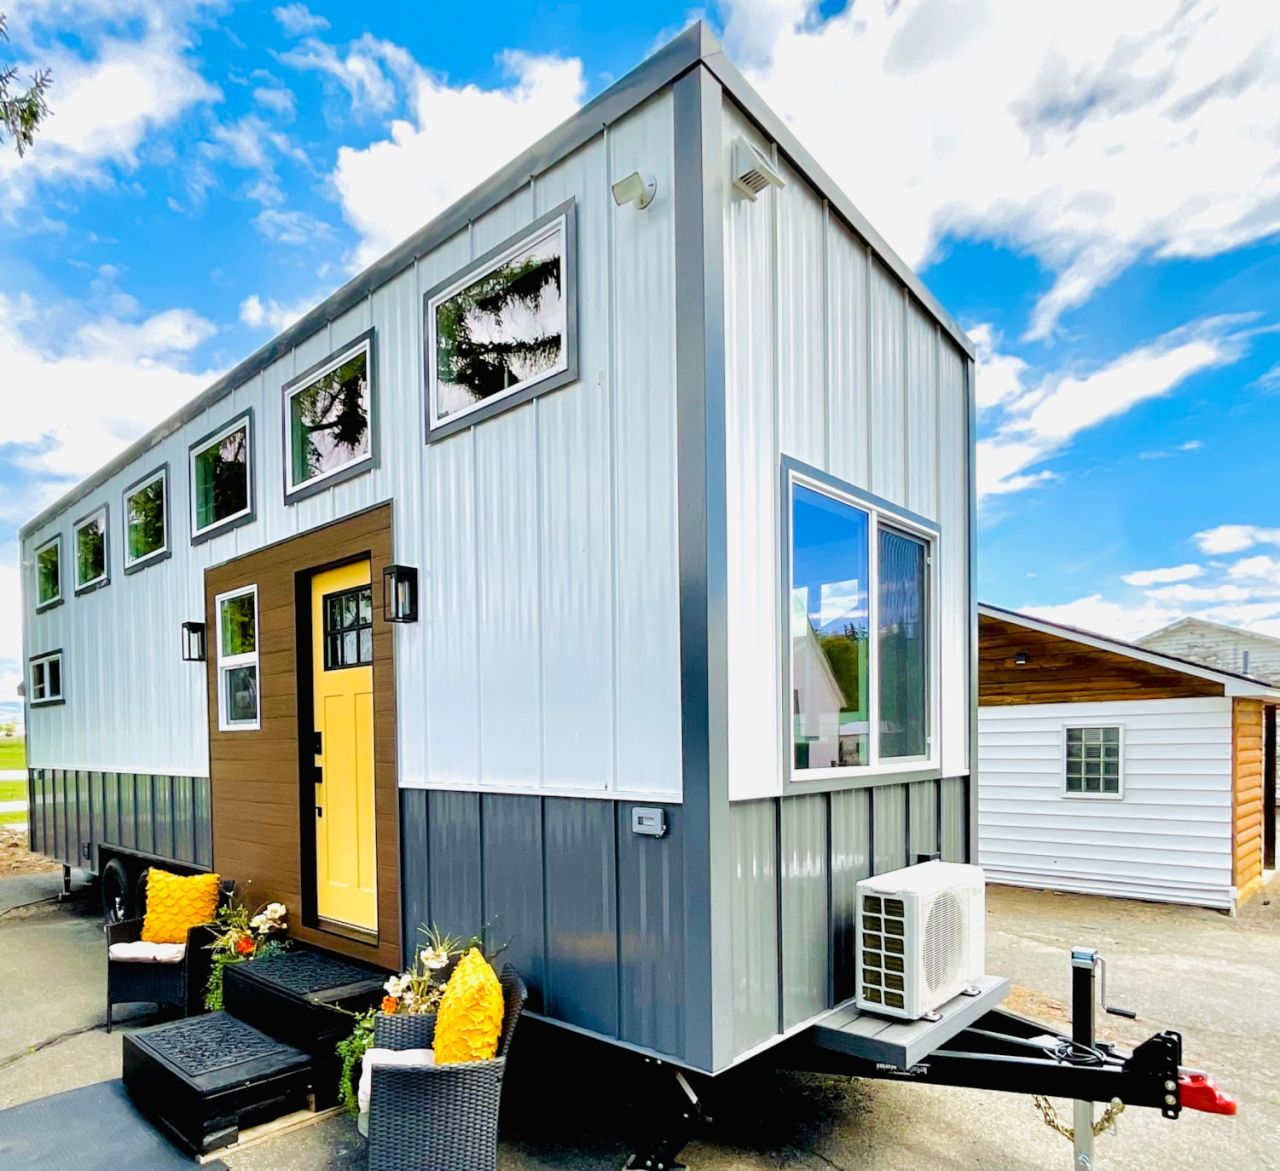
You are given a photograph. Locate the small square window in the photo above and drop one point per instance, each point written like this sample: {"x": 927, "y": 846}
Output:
{"x": 222, "y": 478}
{"x": 90, "y": 537}
{"x": 1092, "y": 761}
{"x": 49, "y": 573}
{"x": 45, "y": 677}
{"x": 329, "y": 419}
{"x": 146, "y": 520}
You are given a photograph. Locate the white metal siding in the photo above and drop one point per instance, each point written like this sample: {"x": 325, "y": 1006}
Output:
{"x": 828, "y": 361}
{"x": 546, "y": 656}
{"x": 1167, "y": 838}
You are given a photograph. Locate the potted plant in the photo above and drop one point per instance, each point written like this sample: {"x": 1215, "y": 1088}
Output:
{"x": 239, "y": 936}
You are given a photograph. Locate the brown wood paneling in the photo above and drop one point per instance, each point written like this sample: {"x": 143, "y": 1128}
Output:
{"x": 1060, "y": 670}
{"x": 257, "y": 835}
{"x": 1247, "y": 724}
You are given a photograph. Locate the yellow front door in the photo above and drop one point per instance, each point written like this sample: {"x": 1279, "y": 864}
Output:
{"x": 342, "y": 667}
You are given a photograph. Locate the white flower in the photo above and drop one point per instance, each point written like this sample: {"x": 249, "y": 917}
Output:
{"x": 396, "y": 985}
{"x": 258, "y": 922}
{"x": 275, "y": 911}
{"x": 434, "y": 959}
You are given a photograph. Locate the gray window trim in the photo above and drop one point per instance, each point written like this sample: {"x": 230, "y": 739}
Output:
{"x": 199, "y": 536}
{"x": 357, "y": 467}
{"x": 158, "y": 555}
{"x": 98, "y": 582}
{"x": 45, "y": 657}
{"x": 508, "y": 399}
{"x": 41, "y": 607}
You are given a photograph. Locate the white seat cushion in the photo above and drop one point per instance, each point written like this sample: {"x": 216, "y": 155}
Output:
{"x": 373, "y": 1057}
{"x": 148, "y": 953}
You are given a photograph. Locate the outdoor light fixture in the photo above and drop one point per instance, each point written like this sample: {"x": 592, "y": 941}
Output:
{"x": 193, "y": 642}
{"x": 1021, "y": 659}
{"x": 400, "y": 593}
{"x": 635, "y": 188}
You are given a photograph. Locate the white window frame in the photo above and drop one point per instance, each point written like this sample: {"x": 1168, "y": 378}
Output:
{"x": 230, "y": 662}
{"x": 162, "y": 474}
{"x": 104, "y": 578}
{"x": 1080, "y": 725}
{"x": 245, "y": 420}
{"x": 878, "y": 511}
{"x": 305, "y": 381}
{"x": 56, "y": 600}
{"x": 43, "y": 661}
{"x": 559, "y": 221}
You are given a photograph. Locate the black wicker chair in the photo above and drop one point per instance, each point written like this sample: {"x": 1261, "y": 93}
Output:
{"x": 178, "y": 985}
{"x": 440, "y": 1117}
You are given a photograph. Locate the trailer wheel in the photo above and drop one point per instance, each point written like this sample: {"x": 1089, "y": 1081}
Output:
{"x": 116, "y": 897}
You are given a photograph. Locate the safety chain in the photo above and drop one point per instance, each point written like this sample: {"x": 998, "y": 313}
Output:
{"x": 1107, "y": 1122}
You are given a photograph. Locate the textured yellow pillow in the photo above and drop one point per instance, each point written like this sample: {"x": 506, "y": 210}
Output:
{"x": 470, "y": 1015}
{"x": 176, "y": 904}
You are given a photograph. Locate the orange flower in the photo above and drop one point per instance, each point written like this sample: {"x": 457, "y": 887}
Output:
{"x": 244, "y": 946}
{"x": 389, "y": 1004}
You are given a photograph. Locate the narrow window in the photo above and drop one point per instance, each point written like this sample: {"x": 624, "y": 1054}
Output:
{"x": 1093, "y": 761}
{"x": 503, "y": 330}
{"x": 49, "y": 573}
{"x": 90, "y": 536}
{"x": 222, "y": 478}
{"x": 46, "y": 679}
{"x": 329, "y": 413}
{"x": 903, "y": 628}
{"x": 146, "y": 520}
{"x": 238, "y": 660}
{"x": 348, "y": 628}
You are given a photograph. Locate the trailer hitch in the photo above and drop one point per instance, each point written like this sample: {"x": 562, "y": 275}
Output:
{"x": 1198, "y": 1091}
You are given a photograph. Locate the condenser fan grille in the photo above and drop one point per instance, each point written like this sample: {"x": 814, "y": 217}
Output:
{"x": 944, "y": 939}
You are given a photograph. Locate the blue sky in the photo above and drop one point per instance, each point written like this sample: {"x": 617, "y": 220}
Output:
{"x": 1090, "y": 188}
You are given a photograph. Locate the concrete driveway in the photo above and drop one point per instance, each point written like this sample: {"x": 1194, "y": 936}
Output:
{"x": 1215, "y": 978}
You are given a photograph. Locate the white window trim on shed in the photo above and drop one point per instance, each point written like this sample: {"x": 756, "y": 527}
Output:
{"x": 1067, "y": 794}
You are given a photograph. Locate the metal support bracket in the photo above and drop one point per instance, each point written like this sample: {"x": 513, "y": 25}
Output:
{"x": 674, "y": 1112}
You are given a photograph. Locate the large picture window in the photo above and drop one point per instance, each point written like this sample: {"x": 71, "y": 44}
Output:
{"x": 238, "y": 660}
{"x": 222, "y": 478}
{"x": 45, "y": 678}
{"x": 329, "y": 420}
{"x": 90, "y": 538}
{"x": 49, "y": 573}
{"x": 860, "y": 633}
{"x": 146, "y": 520}
{"x": 504, "y": 329}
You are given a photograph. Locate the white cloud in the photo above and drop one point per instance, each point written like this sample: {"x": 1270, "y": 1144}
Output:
{"x": 368, "y": 71}
{"x": 297, "y": 19}
{"x": 1190, "y": 593}
{"x": 998, "y": 376}
{"x": 457, "y": 136}
{"x": 291, "y": 227}
{"x": 256, "y": 313}
{"x": 1233, "y": 538}
{"x": 1089, "y": 135}
{"x": 278, "y": 101}
{"x": 1148, "y": 577}
{"x": 1103, "y": 616}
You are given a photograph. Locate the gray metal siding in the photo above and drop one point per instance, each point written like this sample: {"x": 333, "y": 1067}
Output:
{"x": 923, "y": 814}
{"x": 513, "y": 886}
{"x": 889, "y": 841}
{"x": 753, "y": 928}
{"x": 806, "y": 939}
{"x": 955, "y": 820}
{"x": 850, "y": 863}
{"x": 454, "y": 865}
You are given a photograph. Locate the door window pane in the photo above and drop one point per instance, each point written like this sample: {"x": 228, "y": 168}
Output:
{"x": 903, "y": 646}
{"x": 830, "y": 569}
{"x": 329, "y": 421}
{"x": 348, "y": 629}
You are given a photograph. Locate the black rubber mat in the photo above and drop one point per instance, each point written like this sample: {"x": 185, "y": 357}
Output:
{"x": 86, "y": 1130}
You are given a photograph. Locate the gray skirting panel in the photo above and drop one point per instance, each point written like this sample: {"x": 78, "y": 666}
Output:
{"x": 74, "y": 811}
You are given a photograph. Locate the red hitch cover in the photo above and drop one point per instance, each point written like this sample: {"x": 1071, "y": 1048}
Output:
{"x": 1198, "y": 1091}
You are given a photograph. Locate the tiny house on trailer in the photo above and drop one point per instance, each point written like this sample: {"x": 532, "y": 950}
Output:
{"x": 595, "y": 570}
{"x": 1109, "y": 768}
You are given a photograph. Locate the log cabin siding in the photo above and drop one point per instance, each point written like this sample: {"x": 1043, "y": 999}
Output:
{"x": 258, "y": 831}
{"x": 1247, "y": 789}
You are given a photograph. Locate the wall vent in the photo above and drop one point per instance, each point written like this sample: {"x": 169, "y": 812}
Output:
{"x": 752, "y": 172}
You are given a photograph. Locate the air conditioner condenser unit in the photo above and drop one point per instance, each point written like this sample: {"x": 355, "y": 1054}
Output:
{"x": 920, "y": 937}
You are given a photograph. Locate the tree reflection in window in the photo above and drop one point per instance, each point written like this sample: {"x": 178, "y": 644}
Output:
{"x": 144, "y": 519}
{"x": 329, "y": 420}
{"x": 222, "y": 478}
{"x": 91, "y": 550}
{"x": 504, "y": 330}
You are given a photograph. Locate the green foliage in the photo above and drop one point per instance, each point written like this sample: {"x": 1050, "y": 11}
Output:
{"x": 221, "y": 959}
{"x": 847, "y": 656}
{"x": 21, "y": 112}
{"x": 91, "y": 552}
{"x": 352, "y": 1051}
{"x": 144, "y": 519}
{"x": 47, "y": 573}
{"x": 330, "y": 419}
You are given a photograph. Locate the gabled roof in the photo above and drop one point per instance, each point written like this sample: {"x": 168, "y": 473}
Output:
{"x": 1192, "y": 621}
{"x": 1233, "y": 684}
{"x": 697, "y": 45}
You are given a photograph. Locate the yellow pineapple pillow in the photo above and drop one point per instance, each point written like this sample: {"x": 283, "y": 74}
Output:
{"x": 470, "y": 1015}
{"x": 176, "y": 904}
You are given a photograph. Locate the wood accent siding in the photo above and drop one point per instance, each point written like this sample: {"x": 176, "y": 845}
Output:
{"x": 257, "y": 798}
{"x": 1060, "y": 670}
{"x": 1247, "y": 803}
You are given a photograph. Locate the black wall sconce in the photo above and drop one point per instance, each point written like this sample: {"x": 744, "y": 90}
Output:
{"x": 1021, "y": 659}
{"x": 400, "y": 593}
{"x": 193, "y": 642}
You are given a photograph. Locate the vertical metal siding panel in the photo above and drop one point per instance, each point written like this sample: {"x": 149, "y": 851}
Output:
{"x": 806, "y": 939}
{"x": 582, "y": 925}
{"x": 415, "y": 855}
{"x": 922, "y": 412}
{"x": 651, "y": 930}
{"x": 454, "y": 873}
{"x": 513, "y": 892}
{"x": 203, "y": 806}
{"x": 642, "y": 390}
{"x": 162, "y": 815}
{"x": 451, "y": 707}
{"x": 144, "y": 798}
{"x": 183, "y": 819}
{"x": 850, "y": 863}
{"x": 509, "y": 217}
{"x": 953, "y": 568}
{"x": 923, "y": 796}
{"x": 753, "y": 927}
{"x": 848, "y": 405}
{"x": 889, "y": 825}
{"x": 70, "y": 816}
{"x": 955, "y": 820}
{"x": 506, "y": 540}
{"x": 110, "y": 807}
{"x": 801, "y": 384}
{"x": 887, "y": 382}
{"x": 752, "y": 492}
{"x": 84, "y": 820}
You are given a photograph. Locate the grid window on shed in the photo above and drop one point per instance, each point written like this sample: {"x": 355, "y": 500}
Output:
{"x": 1093, "y": 761}
{"x": 348, "y": 628}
